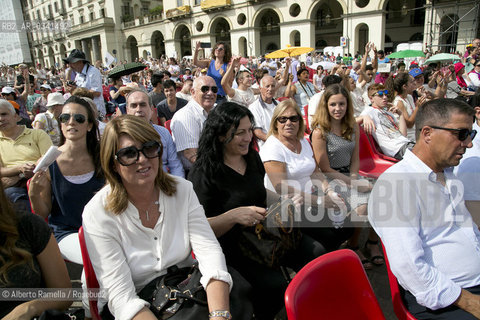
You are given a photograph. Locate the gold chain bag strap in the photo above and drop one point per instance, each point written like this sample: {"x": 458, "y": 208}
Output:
{"x": 273, "y": 238}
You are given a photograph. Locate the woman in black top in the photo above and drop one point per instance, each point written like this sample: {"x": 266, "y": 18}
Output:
{"x": 29, "y": 258}
{"x": 228, "y": 177}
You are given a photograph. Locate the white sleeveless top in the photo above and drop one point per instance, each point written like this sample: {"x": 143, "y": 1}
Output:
{"x": 410, "y": 107}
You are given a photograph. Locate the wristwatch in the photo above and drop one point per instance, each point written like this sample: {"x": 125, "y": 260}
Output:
{"x": 21, "y": 175}
{"x": 220, "y": 313}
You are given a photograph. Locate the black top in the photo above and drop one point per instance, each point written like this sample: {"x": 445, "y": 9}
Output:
{"x": 164, "y": 112}
{"x": 227, "y": 189}
{"x": 33, "y": 237}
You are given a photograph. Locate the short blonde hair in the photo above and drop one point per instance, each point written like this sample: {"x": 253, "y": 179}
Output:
{"x": 141, "y": 131}
{"x": 277, "y": 112}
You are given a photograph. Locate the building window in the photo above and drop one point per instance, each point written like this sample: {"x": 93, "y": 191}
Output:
{"x": 69, "y": 3}
{"x": 102, "y": 13}
{"x": 71, "y": 19}
{"x": 56, "y": 7}
{"x": 81, "y": 20}
{"x": 197, "y": 2}
{"x": 179, "y": 3}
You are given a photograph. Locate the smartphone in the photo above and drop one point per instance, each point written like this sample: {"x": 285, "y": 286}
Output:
{"x": 205, "y": 45}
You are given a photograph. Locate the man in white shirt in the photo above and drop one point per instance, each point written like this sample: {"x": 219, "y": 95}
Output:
{"x": 468, "y": 171}
{"x": 87, "y": 77}
{"x": 417, "y": 209}
{"x": 244, "y": 94}
{"x": 187, "y": 123}
{"x": 262, "y": 109}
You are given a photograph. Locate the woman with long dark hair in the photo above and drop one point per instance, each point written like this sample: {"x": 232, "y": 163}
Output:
{"x": 71, "y": 181}
{"x": 228, "y": 177}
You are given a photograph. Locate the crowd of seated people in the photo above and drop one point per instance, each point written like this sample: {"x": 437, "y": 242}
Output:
{"x": 148, "y": 198}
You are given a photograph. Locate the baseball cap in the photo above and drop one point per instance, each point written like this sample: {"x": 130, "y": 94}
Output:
{"x": 415, "y": 72}
{"x": 46, "y": 86}
{"x": 8, "y": 90}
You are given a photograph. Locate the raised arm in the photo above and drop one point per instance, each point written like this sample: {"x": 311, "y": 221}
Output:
{"x": 227, "y": 79}
{"x": 201, "y": 63}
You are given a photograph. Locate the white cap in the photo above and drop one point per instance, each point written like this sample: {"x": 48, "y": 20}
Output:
{"x": 55, "y": 98}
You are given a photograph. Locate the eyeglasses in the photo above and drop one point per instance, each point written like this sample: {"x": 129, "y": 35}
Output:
{"x": 129, "y": 155}
{"x": 205, "y": 89}
{"x": 381, "y": 93}
{"x": 462, "y": 134}
{"x": 292, "y": 119}
{"x": 220, "y": 48}
{"x": 65, "y": 117}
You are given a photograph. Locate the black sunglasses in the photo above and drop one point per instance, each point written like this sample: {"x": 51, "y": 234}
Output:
{"x": 462, "y": 134}
{"x": 205, "y": 89}
{"x": 292, "y": 119}
{"x": 65, "y": 117}
{"x": 381, "y": 93}
{"x": 129, "y": 155}
{"x": 220, "y": 48}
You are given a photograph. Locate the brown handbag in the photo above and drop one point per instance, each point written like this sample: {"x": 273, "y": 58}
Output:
{"x": 272, "y": 239}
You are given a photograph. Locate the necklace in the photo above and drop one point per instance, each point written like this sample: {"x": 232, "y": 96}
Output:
{"x": 146, "y": 211}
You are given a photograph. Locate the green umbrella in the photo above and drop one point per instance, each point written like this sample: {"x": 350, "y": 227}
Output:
{"x": 127, "y": 68}
{"x": 442, "y": 57}
{"x": 406, "y": 54}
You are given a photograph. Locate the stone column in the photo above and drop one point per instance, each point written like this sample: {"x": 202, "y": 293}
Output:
{"x": 86, "y": 49}
{"x": 97, "y": 53}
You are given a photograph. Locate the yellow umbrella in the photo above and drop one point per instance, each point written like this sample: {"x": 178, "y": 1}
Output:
{"x": 289, "y": 51}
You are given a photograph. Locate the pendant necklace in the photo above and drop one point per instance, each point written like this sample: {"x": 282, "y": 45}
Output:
{"x": 146, "y": 211}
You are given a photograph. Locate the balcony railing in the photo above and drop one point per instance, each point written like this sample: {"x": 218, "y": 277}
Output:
{"x": 100, "y": 22}
{"x": 178, "y": 12}
{"x": 207, "y": 5}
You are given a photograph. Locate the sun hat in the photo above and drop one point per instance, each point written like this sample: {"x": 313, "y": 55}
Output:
{"x": 54, "y": 99}
{"x": 75, "y": 56}
{"x": 8, "y": 90}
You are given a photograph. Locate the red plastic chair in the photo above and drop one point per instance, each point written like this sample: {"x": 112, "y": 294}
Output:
{"x": 167, "y": 125}
{"x": 398, "y": 306}
{"x": 333, "y": 286}
{"x": 371, "y": 164}
{"x": 377, "y": 150}
{"x": 90, "y": 276}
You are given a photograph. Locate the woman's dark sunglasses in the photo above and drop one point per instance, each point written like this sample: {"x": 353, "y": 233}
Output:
{"x": 129, "y": 155}
{"x": 292, "y": 119}
{"x": 381, "y": 93}
{"x": 205, "y": 89}
{"x": 462, "y": 134}
{"x": 65, "y": 117}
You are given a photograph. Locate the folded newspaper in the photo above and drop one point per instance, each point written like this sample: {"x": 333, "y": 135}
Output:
{"x": 50, "y": 156}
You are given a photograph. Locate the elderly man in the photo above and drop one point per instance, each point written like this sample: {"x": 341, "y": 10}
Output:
{"x": 20, "y": 148}
{"x": 417, "y": 208}
{"x": 262, "y": 108}
{"x": 140, "y": 104}
{"x": 87, "y": 77}
{"x": 187, "y": 123}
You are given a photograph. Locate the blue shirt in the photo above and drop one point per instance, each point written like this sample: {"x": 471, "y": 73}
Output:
{"x": 170, "y": 160}
{"x": 212, "y": 72}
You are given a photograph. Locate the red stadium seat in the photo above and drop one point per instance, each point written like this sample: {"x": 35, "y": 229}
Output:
{"x": 371, "y": 164}
{"x": 167, "y": 125}
{"x": 90, "y": 276}
{"x": 398, "y": 306}
{"x": 333, "y": 286}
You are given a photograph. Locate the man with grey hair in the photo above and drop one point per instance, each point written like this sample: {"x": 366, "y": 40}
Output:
{"x": 262, "y": 108}
{"x": 20, "y": 149}
{"x": 417, "y": 208}
{"x": 187, "y": 123}
{"x": 140, "y": 104}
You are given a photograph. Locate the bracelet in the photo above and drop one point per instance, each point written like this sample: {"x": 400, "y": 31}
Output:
{"x": 220, "y": 313}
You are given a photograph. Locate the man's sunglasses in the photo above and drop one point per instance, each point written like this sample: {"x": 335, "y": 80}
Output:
{"x": 205, "y": 89}
{"x": 462, "y": 134}
{"x": 292, "y": 119}
{"x": 381, "y": 93}
{"x": 220, "y": 48}
{"x": 65, "y": 117}
{"x": 129, "y": 155}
